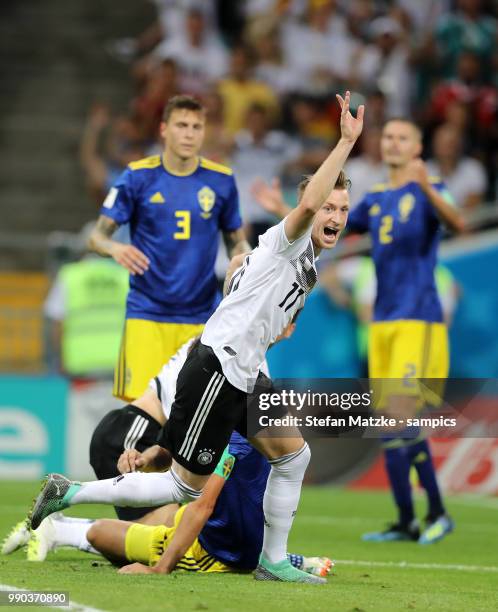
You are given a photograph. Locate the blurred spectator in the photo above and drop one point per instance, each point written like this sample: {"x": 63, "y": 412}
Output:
{"x": 160, "y": 85}
{"x": 468, "y": 89}
{"x": 239, "y": 91}
{"x": 173, "y": 14}
{"x": 315, "y": 134}
{"x": 169, "y": 23}
{"x": 319, "y": 50}
{"x": 377, "y": 109}
{"x": 102, "y": 162}
{"x": 384, "y": 65}
{"x": 464, "y": 177}
{"x": 199, "y": 54}
{"x": 86, "y": 308}
{"x": 468, "y": 29}
{"x": 457, "y": 114}
{"x": 423, "y": 14}
{"x": 259, "y": 152}
{"x": 359, "y": 14}
{"x": 270, "y": 67}
{"x": 366, "y": 169}
{"x": 218, "y": 142}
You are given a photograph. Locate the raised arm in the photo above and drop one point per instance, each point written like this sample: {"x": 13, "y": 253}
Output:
{"x": 193, "y": 520}
{"x": 126, "y": 255}
{"x": 270, "y": 197}
{"x": 448, "y": 214}
{"x": 324, "y": 179}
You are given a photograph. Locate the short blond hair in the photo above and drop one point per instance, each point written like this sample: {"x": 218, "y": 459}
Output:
{"x": 342, "y": 182}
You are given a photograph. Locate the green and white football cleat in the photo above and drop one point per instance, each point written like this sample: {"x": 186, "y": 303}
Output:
{"x": 55, "y": 495}
{"x": 284, "y": 571}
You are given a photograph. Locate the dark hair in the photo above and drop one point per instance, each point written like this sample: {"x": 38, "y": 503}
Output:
{"x": 342, "y": 182}
{"x": 182, "y": 103}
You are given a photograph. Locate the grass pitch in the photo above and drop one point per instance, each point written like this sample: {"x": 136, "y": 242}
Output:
{"x": 459, "y": 573}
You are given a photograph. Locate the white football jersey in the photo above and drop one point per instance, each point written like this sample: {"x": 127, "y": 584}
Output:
{"x": 164, "y": 384}
{"x": 264, "y": 295}
{"x": 167, "y": 377}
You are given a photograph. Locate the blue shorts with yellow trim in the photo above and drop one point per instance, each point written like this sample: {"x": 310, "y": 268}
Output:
{"x": 409, "y": 351}
{"x": 145, "y": 347}
{"x": 146, "y": 544}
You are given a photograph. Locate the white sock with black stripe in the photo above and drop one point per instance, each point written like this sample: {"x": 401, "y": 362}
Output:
{"x": 136, "y": 490}
{"x": 280, "y": 501}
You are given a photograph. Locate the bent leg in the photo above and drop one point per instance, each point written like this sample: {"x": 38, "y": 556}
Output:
{"x": 165, "y": 515}
{"x": 108, "y": 536}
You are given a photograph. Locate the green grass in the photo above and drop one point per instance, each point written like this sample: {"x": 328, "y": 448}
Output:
{"x": 329, "y": 522}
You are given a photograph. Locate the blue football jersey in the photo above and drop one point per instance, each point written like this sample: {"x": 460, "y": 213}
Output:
{"x": 175, "y": 220}
{"x": 234, "y": 532}
{"x": 405, "y": 233}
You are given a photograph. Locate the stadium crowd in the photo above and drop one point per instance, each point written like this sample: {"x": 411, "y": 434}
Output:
{"x": 268, "y": 70}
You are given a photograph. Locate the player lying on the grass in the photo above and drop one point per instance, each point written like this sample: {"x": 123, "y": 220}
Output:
{"x": 221, "y": 531}
{"x": 113, "y": 437}
{"x": 222, "y": 371}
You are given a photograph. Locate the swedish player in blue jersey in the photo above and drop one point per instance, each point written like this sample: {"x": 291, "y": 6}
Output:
{"x": 408, "y": 338}
{"x": 222, "y": 531}
{"x": 176, "y": 204}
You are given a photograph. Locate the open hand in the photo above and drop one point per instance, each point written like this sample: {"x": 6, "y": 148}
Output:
{"x": 269, "y": 195}
{"x": 130, "y": 461}
{"x": 350, "y": 127}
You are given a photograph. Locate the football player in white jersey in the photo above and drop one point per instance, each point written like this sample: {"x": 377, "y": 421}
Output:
{"x": 223, "y": 368}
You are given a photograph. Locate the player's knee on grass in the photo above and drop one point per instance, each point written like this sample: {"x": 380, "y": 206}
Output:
{"x": 108, "y": 537}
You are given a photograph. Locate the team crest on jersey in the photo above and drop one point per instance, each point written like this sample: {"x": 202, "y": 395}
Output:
{"x": 205, "y": 456}
{"x": 405, "y": 207}
{"x": 374, "y": 210}
{"x": 206, "y": 198}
